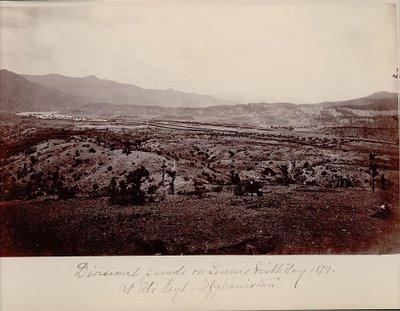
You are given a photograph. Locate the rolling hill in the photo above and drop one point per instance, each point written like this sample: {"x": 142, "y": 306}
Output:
{"x": 95, "y": 97}
{"x": 377, "y": 101}
{"x": 19, "y": 94}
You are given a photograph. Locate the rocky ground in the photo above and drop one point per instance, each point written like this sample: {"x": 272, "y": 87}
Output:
{"x": 325, "y": 208}
{"x": 286, "y": 221}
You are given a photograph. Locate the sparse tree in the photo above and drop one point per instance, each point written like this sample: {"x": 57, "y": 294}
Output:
{"x": 172, "y": 175}
{"x": 268, "y": 172}
{"x": 235, "y": 180}
{"x": 373, "y": 169}
{"x": 384, "y": 182}
{"x": 126, "y": 148}
{"x": 33, "y": 159}
{"x": 13, "y": 189}
{"x": 122, "y": 187}
{"x": 95, "y": 188}
{"x": 199, "y": 188}
{"x": 112, "y": 190}
{"x": 163, "y": 167}
{"x": 134, "y": 180}
{"x": 285, "y": 174}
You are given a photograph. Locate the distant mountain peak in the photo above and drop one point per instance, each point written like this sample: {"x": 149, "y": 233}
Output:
{"x": 94, "y": 89}
{"x": 383, "y": 94}
{"x": 7, "y": 75}
{"x": 19, "y": 94}
{"x": 8, "y": 72}
{"x": 91, "y": 77}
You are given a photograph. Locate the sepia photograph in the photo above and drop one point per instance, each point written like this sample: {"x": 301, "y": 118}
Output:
{"x": 198, "y": 128}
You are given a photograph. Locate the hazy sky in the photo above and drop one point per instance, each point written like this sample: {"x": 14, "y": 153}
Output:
{"x": 270, "y": 53}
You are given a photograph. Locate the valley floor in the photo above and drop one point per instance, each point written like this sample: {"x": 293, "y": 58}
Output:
{"x": 56, "y": 178}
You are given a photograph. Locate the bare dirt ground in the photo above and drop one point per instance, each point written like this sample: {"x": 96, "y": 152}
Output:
{"x": 326, "y": 207}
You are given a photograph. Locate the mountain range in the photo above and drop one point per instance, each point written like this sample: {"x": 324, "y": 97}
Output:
{"x": 19, "y": 94}
{"x": 92, "y": 96}
{"x": 93, "y": 89}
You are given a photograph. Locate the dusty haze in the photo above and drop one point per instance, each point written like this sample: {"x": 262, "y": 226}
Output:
{"x": 247, "y": 53}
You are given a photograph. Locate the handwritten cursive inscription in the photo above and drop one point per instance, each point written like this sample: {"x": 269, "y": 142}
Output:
{"x": 208, "y": 281}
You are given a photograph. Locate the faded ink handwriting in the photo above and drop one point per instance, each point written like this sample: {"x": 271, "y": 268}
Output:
{"x": 208, "y": 281}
